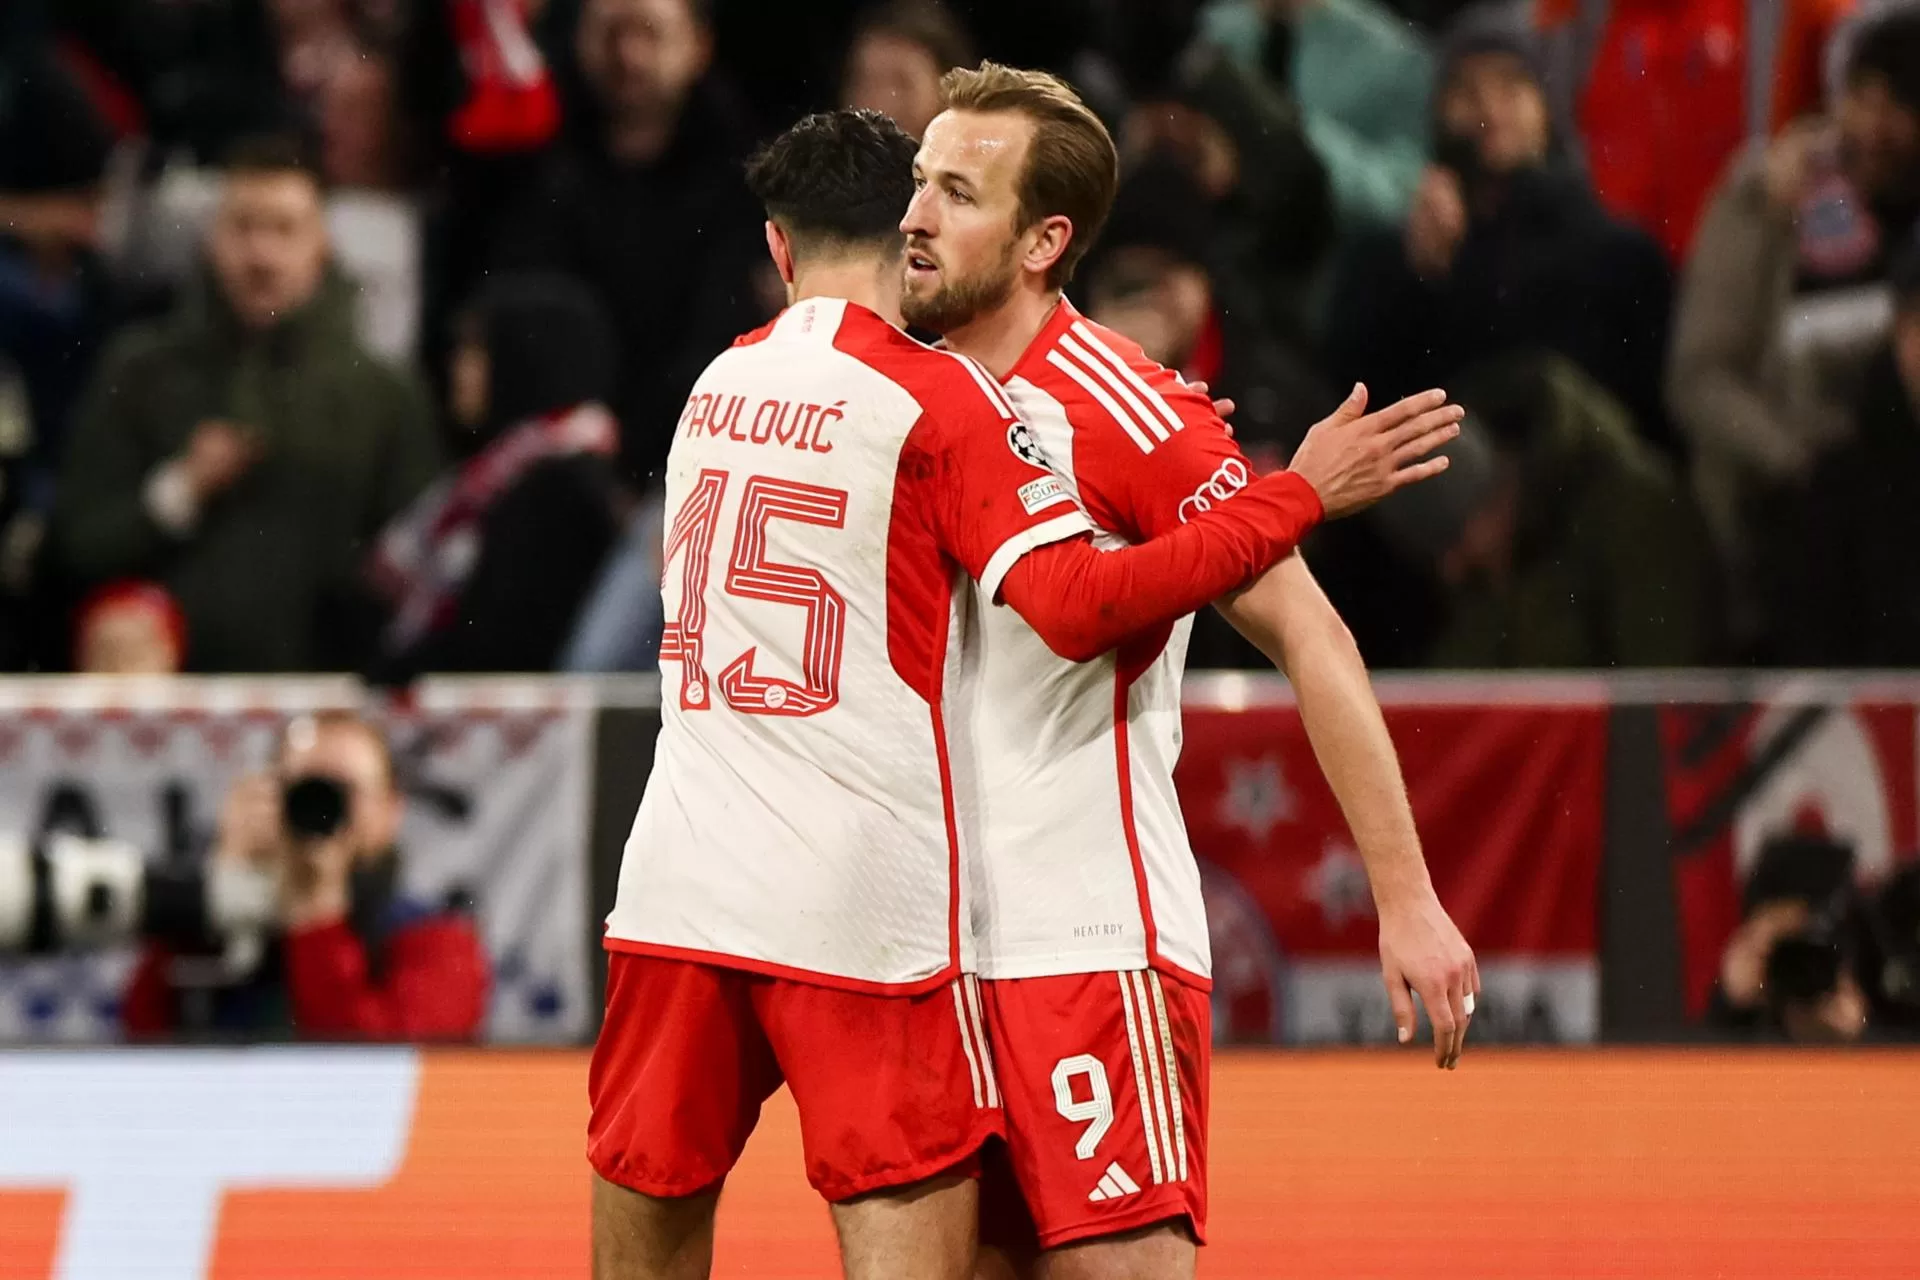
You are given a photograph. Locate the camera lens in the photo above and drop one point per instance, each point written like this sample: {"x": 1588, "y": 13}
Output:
{"x": 315, "y": 806}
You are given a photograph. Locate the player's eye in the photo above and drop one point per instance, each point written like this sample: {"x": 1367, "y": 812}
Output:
{"x": 919, "y": 183}
{"x": 959, "y": 196}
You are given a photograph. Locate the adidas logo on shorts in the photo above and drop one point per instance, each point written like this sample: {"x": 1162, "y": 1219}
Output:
{"x": 1114, "y": 1184}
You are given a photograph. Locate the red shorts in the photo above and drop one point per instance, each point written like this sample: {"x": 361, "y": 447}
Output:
{"x": 1105, "y": 1084}
{"x": 890, "y": 1089}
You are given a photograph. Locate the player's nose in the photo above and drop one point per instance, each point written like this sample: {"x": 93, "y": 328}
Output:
{"x": 916, "y": 222}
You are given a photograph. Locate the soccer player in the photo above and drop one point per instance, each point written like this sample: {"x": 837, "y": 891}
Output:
{"x": 1090, "y": 927}
{"x": 790, "y": 904}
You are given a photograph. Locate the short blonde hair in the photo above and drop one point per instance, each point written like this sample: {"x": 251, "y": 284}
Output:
{"x": 1072, "y": 168}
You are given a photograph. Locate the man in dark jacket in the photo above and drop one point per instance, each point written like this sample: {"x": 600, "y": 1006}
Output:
{"x": 647, "y": 206}
{"x": 1505, "y": 248}
{"x": 245, "y": 450}
{"x": 1571, "y": 543}
{"x": 355, "y": 960}
{"x": 1845, "y": 591}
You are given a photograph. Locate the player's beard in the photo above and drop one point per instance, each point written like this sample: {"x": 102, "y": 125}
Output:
{"x": 958, "y": 300}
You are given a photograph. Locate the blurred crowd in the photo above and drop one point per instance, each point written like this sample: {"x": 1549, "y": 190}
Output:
{"x": 350, "y": 334}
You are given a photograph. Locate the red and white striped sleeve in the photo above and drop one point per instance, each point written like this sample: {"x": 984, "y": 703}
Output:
{"x": 1149, "y": 452}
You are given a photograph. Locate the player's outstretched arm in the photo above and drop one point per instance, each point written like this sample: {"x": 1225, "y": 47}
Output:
{"x": 1291, "y": 620}
{"x": 1083, "y": 601}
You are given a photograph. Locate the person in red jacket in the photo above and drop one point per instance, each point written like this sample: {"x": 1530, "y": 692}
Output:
{"x": 355, "y": 960}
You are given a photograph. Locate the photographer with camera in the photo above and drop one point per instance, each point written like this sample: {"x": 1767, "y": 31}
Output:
{"x": 1794, "y": 967}
{"x": 352, "y": 959}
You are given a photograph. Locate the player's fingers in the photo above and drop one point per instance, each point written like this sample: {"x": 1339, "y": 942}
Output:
{"x": 1400, "y": 412}
{"x": 1424, "y": 425}
{"x": 1199, "y": 386}
{"x": 1457, "y": 1002}
{"x": 1402, "y": 1001}
{"x": 1420, "y": 446}
{"x": 1417, "y": 472}
{"x": 1441, "y": 1014}
{"x": 1354, "y": 406}
{"x": 1223, "y": 409}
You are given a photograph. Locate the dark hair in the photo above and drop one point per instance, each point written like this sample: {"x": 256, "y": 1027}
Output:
{"x": 272, "y": 154}
{"x": 1889, "y": 46}
{"x": 926, "y": 23}
{"x": 549, "y": 345}
{"x": 1072, "y": 166}
{"x": 837, "y": 180}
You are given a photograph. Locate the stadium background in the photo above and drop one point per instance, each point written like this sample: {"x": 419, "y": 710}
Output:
{"x": 1285, "y": 227}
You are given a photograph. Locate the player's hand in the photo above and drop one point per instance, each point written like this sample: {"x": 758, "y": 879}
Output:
{"x": 1354, "y": 458}
{"x": 1423, "y": 954}
{"x": 1222, "y": 407}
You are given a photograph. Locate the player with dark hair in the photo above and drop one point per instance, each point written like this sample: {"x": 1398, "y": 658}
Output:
{"x": 1091, "y": 932}
{"x": 790, "y": 904}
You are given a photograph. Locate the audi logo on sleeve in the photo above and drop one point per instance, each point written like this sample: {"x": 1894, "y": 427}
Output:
{"x": 1228, "y": 479}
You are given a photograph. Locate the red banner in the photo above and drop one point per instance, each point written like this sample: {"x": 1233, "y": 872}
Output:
{"x": 1510, "y": 802}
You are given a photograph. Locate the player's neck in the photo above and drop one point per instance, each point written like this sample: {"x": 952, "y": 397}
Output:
{"x": 877, "y": 288}
{"x": 998, "y": 338}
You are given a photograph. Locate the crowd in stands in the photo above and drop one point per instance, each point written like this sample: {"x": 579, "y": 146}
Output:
{"x": 350, "y": 334}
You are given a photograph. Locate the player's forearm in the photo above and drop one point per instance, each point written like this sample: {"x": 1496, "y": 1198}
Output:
{"x": 1083, "y": 602}
{"x": 1290, "y": 619}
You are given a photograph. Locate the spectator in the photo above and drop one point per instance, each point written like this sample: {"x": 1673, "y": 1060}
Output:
{"x": 1563, "y": 539}
{"x": 373, "y": 223}
{"x": 1505, "y": 249}
{"x": 1791, "y": 969}
{"x": 130, "y": 628}
{"x": 896, "y": 58}
{"x": 243, "y": 450}
{"x": 356, "y": 960}
{"x": 1363, "y": 77}
{"x": 1784, "y": 300}
{"x": 487, "y": 569}
{"x": 54, "y": 147}
{"x": 1241, "y": 140}
{"x": 1845, "y": 590}
{"x": 647, "y": 207}
{"x": 1664, "y": 91}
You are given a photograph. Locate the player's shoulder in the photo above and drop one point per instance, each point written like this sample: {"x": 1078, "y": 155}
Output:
{"x": 1105, "y": 382}
{"x": 949, "y": 387}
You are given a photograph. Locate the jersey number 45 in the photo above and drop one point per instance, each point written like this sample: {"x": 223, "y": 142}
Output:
{"x": 751, "y": 576}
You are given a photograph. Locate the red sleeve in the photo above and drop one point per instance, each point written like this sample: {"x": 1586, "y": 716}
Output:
{"x": 1083, "y": 601}
{"x": 1137, "y": 474}
{"x": 434, "y": 986}
{"x": 985, "y": 484}
{"x": 146, "y": 1006}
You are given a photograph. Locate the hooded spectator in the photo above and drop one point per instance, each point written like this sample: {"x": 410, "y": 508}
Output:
{"x": 1845, "y": 592}
{"x": 895, "y": 60}
{"x": 1785, "y": 300}
{"x": 1505, "y": 249}
{"x": 487, "y": 569}
{"x": 244, "y": 450}
{"x": 1563, "y": 540}
{"x": 647, "y": 207}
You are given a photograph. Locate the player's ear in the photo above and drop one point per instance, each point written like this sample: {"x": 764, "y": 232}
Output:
{"x": 1051, "y": 236}
{"x": 781, "y": 250}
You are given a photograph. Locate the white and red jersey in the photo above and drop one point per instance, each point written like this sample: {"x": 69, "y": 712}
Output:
{"x": 831, "y": 484}
{"x": 1084, "y": 863}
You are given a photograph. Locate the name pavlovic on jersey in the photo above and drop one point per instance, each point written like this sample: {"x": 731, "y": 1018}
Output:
{"x": 829, "y": 481}
{"x": 1083, "y": 859}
